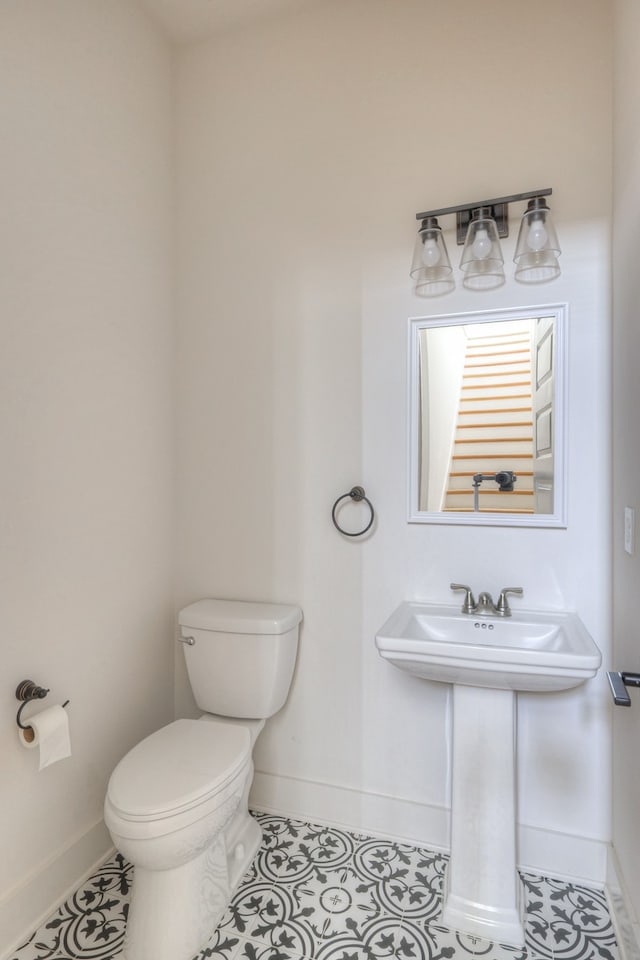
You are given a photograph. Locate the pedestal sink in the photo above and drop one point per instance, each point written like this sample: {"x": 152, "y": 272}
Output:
{"x": 488, "y": 660}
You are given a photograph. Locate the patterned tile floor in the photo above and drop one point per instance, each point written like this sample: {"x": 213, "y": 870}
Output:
{"x": 321, "y": 893}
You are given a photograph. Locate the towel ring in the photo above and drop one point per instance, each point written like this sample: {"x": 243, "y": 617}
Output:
{"x": 356, "y": 494}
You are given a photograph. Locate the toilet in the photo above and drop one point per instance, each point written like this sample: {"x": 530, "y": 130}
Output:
{"x": 177, "y": 803}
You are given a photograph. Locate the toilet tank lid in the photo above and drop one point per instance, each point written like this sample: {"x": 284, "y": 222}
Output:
{"x": 240, "y": 616}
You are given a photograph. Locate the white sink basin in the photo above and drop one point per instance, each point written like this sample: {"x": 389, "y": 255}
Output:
{"x": 529, "y": 651}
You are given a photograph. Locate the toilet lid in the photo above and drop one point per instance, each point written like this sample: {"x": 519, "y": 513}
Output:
{"x": 178, "y": 767}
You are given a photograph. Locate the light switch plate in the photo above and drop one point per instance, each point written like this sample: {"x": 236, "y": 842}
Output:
{"x": 629, "y": 530}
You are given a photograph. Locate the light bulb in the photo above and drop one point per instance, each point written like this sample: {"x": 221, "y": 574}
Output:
{"x": 481, "y": 244}
{"x": 430, "y": 252}
{"x": 537, "y": 237}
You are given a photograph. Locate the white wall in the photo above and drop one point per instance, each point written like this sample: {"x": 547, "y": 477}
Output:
{"x": 626, "y": 568}
{"x": 306, "y": 145}
{"x": 305, "y": 148}
{"x": 86, "y": 422}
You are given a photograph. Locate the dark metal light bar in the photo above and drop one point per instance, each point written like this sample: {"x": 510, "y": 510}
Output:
{"x": 499, "y": 211}
{"x": 485, "y": 203}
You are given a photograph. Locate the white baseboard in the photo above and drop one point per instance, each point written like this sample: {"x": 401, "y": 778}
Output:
{"x": 541, "y": 851}
{"x": 373, "y": 813}
{"x": 562, "y": 855}
{"x": 624, "y": 919}
{"x": 25, "y": 907}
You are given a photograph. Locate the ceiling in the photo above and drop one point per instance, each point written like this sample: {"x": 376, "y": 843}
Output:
{"x": 187, "y": 20}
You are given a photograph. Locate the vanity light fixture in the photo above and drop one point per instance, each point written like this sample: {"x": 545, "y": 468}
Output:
{"x": 479, "y": 226}
{"x": 537, "y": 249}
{"x": 482, "y": 260}
{"x": 431, "y": 267}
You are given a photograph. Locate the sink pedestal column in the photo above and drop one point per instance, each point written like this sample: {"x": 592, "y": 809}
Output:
{"x": 483, "y": 894}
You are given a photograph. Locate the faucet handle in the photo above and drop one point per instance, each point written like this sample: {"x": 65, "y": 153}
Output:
{"x": 502, "y": 606}
{"x": 469, "y": 604}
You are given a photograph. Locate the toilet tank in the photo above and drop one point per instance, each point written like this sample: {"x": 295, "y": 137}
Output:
{"x": 240, "y": 655}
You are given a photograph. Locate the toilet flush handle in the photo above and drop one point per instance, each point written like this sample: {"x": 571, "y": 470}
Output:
{"x": 190, "y": 641}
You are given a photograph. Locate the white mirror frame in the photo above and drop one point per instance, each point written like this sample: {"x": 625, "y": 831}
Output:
{"x": 558, "y": 518}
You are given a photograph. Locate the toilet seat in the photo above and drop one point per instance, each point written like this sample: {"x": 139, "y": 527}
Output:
{"x": 180, "y": 772}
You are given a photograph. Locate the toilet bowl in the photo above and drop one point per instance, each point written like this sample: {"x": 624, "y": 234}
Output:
{"x": 177, "y": 803}
{"x": 169, "y": 802}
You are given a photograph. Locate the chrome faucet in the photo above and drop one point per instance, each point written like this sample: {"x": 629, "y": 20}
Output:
{"x": 485, "y": 607}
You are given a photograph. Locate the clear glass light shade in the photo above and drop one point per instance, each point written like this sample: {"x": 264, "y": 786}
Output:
{"x": 482, "y": 260}
{"x": 431, "y": 268}
{"x": 537, "y": 249}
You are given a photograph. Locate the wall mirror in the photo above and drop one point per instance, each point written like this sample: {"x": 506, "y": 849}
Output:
{"x": 487, "y": 417}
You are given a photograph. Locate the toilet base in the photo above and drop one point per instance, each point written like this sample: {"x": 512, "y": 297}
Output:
{"x": 242, "y": 839}
{"x": 174, "y": 912}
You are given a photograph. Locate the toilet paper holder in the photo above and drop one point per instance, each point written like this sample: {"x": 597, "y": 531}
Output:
{"x": 27, "y": 691}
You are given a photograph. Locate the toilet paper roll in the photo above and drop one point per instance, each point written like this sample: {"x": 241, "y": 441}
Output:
{"x": 49, "y": 732}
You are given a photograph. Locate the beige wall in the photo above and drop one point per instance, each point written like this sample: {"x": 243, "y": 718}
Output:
{"x": 86, "y": 418}
{"x": 626, "y": 439}
{"x": 305, "y": 148}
